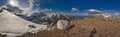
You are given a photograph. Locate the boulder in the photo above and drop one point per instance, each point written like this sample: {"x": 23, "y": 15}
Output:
{"x": 63, "y": 24}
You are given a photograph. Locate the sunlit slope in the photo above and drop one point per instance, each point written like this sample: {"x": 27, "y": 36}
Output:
{"x": 13, "y": 25}
{"x": 91, "y": 27}
{"x": 103, "y": 27}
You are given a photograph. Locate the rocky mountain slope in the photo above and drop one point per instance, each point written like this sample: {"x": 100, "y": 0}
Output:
{"x": 91, "y": 27}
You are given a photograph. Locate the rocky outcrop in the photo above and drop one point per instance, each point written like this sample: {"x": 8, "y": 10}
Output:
{"x": 12, "y": 9}
{"x": 63, "y": 24}
{"x": 48, "y": 17}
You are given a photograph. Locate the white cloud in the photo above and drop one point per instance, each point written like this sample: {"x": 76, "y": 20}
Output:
{"x": 13, "y": 2}
{"x": 75, "y": 10}
{"x": 94, "y": 11}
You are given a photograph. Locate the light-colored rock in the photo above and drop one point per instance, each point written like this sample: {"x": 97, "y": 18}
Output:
{"x": 63, "y": 24}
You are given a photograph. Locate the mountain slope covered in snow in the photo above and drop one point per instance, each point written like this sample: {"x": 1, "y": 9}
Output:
{"x": 13, "y": 25}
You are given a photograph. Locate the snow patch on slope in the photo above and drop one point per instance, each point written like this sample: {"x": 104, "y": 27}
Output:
{"x": 13, "y": 25}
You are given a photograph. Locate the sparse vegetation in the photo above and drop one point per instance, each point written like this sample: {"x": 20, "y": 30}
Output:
{"x": 83, "y": 28}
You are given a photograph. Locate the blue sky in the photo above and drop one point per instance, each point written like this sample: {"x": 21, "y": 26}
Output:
{"x": 82, "y": 4}
{"x": 66, "y": 5}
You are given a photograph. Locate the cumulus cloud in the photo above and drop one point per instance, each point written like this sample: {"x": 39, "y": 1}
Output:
{"x": 13, "y": 2}
{"x": 97, "y": 13}
{"x": 104, "y": 13}
{"x": 27, "y": 5}
{"x": 75, "y": 10}
{"x": 94, "y": 11}
{"x": 101, "y": 11}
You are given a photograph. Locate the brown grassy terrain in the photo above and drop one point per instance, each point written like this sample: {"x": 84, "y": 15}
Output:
{"x": 92, "y": 27}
